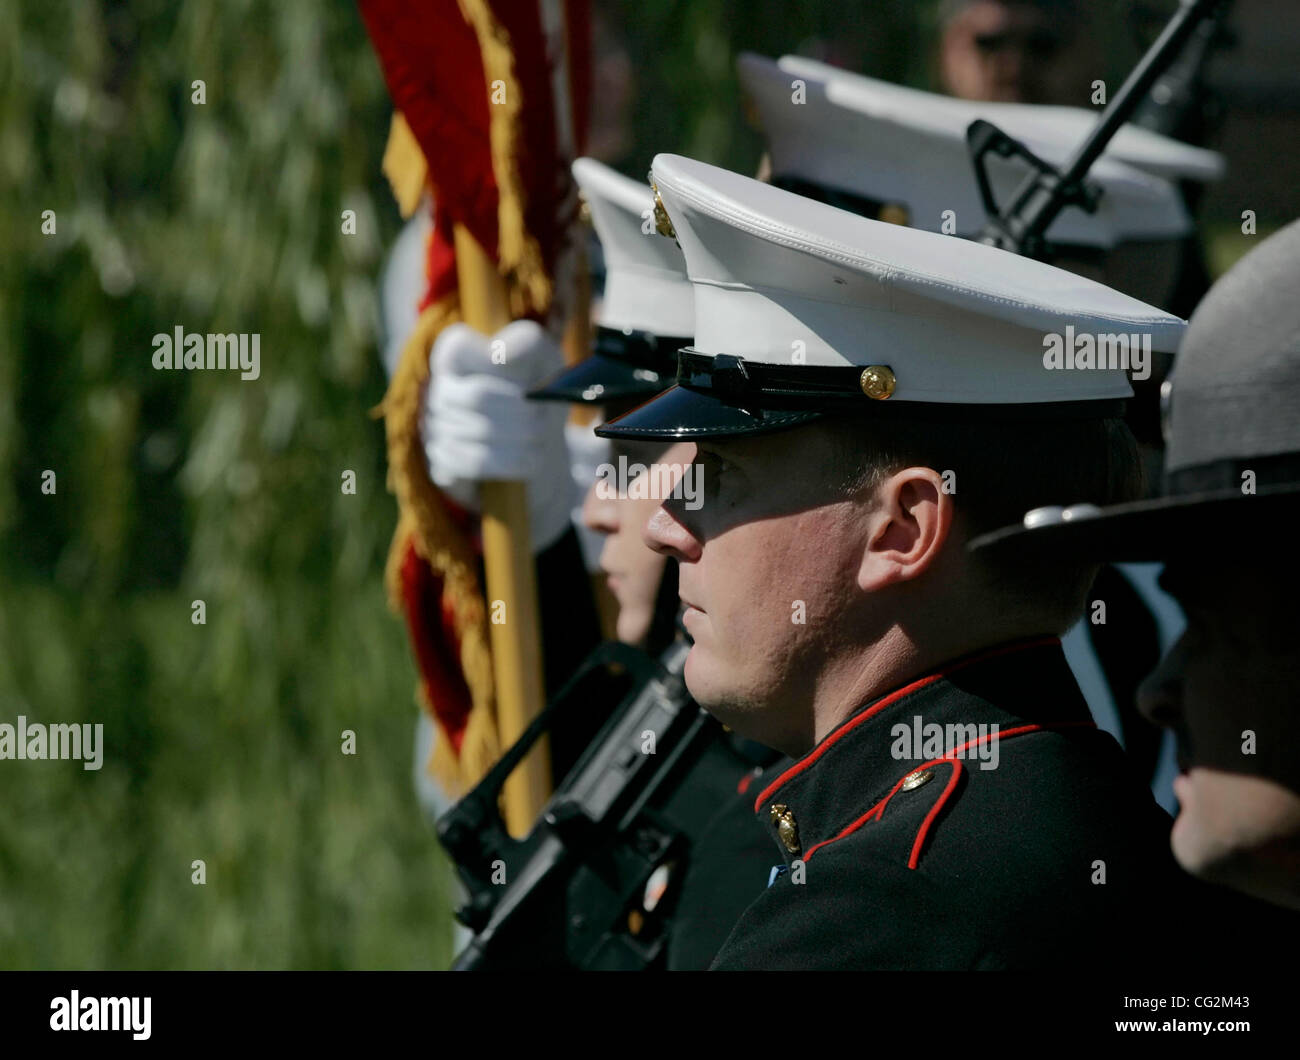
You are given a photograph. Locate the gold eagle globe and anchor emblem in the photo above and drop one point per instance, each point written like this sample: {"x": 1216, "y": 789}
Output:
{"x": 786, "y": 828}
{"x": 663, "y": 223}
{"x": 877, "y": 381}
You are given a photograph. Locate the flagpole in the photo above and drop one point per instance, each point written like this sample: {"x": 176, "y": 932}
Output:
{"x": 508, "y": 564}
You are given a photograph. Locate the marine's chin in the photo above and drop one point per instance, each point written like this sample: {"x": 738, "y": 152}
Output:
{"x": 702, "y": 681}
{"x": 1270, "y": 875}
{"x": 744, "y": 713}
{"x": 690, "y": 672}
{"x": 1240, "y": 832}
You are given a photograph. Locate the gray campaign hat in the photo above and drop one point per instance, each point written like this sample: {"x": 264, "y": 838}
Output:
{"x": 1233, "y": 430}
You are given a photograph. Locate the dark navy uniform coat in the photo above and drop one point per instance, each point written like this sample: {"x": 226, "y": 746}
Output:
{"x": 731, "y": 859}
{"x": 1058, "y": 857}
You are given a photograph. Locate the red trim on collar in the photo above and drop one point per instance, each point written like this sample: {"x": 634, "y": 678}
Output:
{"x": 878, "y": 810}
{"x": 893, "y": 697}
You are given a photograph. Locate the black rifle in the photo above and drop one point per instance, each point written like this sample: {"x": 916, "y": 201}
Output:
{"x": 582, "y": 889}
{"x": 1180, "y": 103}
{"x": 1022, "y": 224}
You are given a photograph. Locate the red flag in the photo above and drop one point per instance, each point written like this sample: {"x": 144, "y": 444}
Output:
{"x": 464, "y": 73}
{"x": 495, "y": 96}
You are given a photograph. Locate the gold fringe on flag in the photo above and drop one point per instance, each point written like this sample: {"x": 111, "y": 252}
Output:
{"x": 518, "y": 255}
{"x": 440, "y": 543}
{"x": 404, "y": 166}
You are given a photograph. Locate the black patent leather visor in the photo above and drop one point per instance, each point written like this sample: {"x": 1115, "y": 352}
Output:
{"x": 625, "y": 365}
{"x": 681, "y": 412}
{"x": 723, "y": 395}
{"x": 599, "y": 380}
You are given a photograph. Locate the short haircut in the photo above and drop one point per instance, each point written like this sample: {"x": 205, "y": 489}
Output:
{"x": 1000, "y": 470}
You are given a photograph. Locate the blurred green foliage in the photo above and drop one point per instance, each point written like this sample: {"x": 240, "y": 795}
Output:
{"x": 222, "y": 740}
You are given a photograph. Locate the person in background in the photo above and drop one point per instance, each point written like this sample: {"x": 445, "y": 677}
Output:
{"x": 1017, "y": 51}
{"x": 1225, "y": 525}
{"x": 645, "y": 315}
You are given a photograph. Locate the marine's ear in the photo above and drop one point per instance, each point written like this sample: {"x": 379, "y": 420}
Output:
{"x": 909, "y": 524}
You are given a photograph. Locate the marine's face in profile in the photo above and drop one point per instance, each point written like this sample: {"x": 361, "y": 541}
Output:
{"x": 767, "y": 570}
{"x": 1228, "y": 690}
{"x": 633, "y": 572}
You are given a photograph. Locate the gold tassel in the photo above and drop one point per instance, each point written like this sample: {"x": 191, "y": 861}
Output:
{"x": 438, "y": 541}
{"x": 518, "y": 255}
{"x": 404, "y": 166}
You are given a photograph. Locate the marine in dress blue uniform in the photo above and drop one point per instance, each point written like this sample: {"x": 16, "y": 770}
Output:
{"x": 645, "y": 314}
{"x": 889, "y": 854}
{"x": 900, "y": 154}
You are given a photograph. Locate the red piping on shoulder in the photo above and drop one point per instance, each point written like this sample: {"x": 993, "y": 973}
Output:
{"x": 878, "y": 810}
{"x": 924, "y": 830}
{"x": 894, "y": 697}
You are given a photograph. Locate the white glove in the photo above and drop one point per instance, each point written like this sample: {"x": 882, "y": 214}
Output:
{"x": 476, "y": 423}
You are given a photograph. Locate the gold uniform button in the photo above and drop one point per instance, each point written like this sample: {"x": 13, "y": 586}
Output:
{"x": 918, "y": 779}
{"x": 786, "y": 828}
{"x": 877, "y": 381}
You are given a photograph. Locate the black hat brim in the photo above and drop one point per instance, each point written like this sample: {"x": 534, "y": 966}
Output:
{"x": 683, "y": 413}
{"x": 1160, "y": 529}
{"x": 598, "y": 380}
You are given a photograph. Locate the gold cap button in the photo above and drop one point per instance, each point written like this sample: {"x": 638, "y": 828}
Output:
{"x": 877, "y": 381}
{"x": 918, "y": 779}
{"x": 663, "y": 223}
{"x": 786, "y": 829}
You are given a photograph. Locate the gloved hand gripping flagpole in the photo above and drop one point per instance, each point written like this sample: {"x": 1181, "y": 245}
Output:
{"x": 508, "y": 564}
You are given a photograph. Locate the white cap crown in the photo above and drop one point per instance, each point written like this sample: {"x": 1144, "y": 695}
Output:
{"x": 784, "y": 280}
{"x": 646, "y": 288}
{"x": 899, "y": 145}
